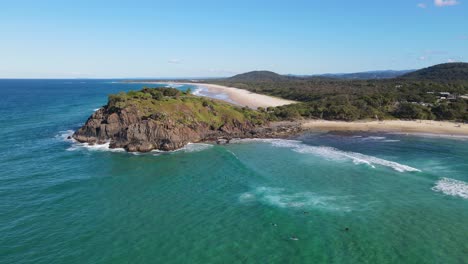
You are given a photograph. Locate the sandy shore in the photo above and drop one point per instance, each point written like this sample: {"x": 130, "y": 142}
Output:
{"x": 239, "y": 96}
{"x": 244, "y": 97}
{"x": 396, "y": 126}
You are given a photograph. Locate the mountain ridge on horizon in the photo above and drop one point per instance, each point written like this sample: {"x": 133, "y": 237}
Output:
{"x": 459, "y": 70}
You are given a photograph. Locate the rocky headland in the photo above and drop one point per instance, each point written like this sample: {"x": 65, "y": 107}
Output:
{"x": 168, "y": 119}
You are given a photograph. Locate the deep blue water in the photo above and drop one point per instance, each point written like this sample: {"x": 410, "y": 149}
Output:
{"x": 347, "y": 198}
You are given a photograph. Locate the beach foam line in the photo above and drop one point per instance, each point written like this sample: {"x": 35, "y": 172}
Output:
{"x": 203, "y": 91}
{"x": 333, "y": 153}
{"x": 198, "y": 91}
{"x": 279, "y": 197}
{"x": 452, "y": 187}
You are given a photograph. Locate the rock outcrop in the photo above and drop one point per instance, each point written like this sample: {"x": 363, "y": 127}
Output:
{"x": 168, "y": 119}
{"x": 127, "y": 129}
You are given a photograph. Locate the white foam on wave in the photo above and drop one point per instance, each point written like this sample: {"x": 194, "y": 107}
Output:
{"x": 333, "y": 153}
{"x": 452, "y": 187}
{"x": 66, "y": 136}
{"x": 279, "y": 197}
{"x": 376, "y": 139}
{"x": 195, "y": 147}
{"x": 94, "y": 147}
{"x": 189, "y": 148}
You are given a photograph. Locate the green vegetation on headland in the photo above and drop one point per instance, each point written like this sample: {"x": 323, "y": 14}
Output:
{"x": 438, "y": 92}
{"x": 160, "y": 104}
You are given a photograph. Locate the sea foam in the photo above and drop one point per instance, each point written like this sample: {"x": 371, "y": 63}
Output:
{"x": 66, "y": 136}
{"x": 279, "y": 197}
{"x": 334, "y": 154}
{"x": 452, "y": 187}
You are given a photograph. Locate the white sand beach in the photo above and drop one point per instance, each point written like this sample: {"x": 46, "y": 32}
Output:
{"x": 397, "y": 126}
{"x": 239, "y": 96}
{"x": 246, "y": 98}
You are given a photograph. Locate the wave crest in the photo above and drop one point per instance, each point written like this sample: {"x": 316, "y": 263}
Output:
{"x": 334, "y": 154}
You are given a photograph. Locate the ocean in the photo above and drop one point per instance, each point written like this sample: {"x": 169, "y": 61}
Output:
{"x": 318, "y": 198}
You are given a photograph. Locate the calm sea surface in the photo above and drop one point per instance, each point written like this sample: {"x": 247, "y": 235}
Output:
{"x": 320, "y": 198}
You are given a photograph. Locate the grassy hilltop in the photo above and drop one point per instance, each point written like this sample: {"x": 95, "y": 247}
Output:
{"x": 161, "y": 104}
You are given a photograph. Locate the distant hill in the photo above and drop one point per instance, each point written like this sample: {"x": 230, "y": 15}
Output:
{"x": 388, "y": 74}
{"x": 258, "y": 76}
{"x": 268, "y": 76}
{"x": 447, "y": 72}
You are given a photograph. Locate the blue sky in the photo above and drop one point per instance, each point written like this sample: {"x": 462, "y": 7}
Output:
{"x": 102, "y": 39}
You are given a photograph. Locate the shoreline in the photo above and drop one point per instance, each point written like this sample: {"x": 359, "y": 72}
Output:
{"x": 419, "y": 127}
{"x": 236, "y": 96}
{"x": 243, "y": 97}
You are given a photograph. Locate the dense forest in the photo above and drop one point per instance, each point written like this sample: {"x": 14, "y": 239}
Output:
{"x": 438, "y": 92}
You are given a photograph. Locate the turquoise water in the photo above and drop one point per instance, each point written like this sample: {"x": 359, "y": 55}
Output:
{"x": 347, "y": 198}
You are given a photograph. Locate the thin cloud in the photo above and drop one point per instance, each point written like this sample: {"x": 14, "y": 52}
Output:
{"x": 222, "y": 71}
{"x": 422, "y": 58}
{"x": 174, "y": 61}
{"x": 442, "y": 3}
{"x": 455, "y": 59}
{"x": 435, "y": 52}
{"x": 422, "y": 5}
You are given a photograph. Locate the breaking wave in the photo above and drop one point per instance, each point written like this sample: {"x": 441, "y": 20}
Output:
{"x": 301, "y": 200}
{"x": 194, "y": 147}
{"x": 66, "y": 136}
{"x": 334, "y": 154}
{"x": 452, "y": 187}
{"x": 189, "y": 148}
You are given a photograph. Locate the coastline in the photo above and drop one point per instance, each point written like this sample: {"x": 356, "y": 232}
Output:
{"x": 243, "y": 97}
{"x": 237, "y": 96}
{"x": 419, "y": 127}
